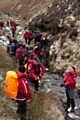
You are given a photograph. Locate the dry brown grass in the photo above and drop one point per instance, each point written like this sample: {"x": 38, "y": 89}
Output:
{"x": 40, "y": 103}
{"x": 24, "y": 8}
{"x": 6, "y": 62}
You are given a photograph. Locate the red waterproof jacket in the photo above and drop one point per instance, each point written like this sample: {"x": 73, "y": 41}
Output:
{"x": 13, "y": 29}
{"x": 39, "y": 51}
{"x": 31, "y": 55}
{"x": 34, "y": 72}
{"x": 19, "y": 51}
{"x": 28, "y": 35}
{"x": 69, "y": 80}
{"x": 23, "y": 88}
{"x": 75, "y": 74}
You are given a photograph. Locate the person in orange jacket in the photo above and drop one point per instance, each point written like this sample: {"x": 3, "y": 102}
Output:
{"x": 23, "y": 93}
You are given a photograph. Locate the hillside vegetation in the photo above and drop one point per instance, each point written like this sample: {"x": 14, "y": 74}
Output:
{"x": 24, "y": 8}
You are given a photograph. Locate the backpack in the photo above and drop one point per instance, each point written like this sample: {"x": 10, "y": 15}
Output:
{"x": 14, "y": 45}
{"x": 23, "y": 54}
{"x": 11, "y": 84}
{"x": 18, "y": 52}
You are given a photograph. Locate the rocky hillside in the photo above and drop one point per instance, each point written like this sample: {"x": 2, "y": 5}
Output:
{"x": 24, "y": 8}
{"x": 61, "y": 22}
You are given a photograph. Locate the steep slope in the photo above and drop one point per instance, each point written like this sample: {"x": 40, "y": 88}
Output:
{"x": 61, "y": 21}
{"x": 25, "y": 8}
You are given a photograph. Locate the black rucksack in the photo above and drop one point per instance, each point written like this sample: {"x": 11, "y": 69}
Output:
{"x": 23, "y": 55}
{"x": 14, "y": 45}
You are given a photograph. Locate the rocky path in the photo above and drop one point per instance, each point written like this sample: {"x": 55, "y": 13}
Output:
{"x": 53, "y": 82}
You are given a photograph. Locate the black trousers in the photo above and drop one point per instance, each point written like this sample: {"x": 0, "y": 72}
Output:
{"x": 43, "y": 43}
{"x": 28, "y": 40}
{"x": 13, "y": 33}
{"x": 34, "y": 83}
{"x": 21, "y": 110}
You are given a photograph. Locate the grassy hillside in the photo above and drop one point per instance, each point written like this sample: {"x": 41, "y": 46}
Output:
{"x": 24, "y": 8}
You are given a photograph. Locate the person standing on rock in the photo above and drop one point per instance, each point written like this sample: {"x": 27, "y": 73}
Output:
{"x": 69, "y": 82}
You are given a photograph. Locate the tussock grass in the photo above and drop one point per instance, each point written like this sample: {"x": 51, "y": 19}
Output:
{"x": 6, "y": 62}
{"x": 40, "y": 103}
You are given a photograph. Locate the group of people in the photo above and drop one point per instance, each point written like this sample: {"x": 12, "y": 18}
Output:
{"x": 35, "y": 71}
{"x": 40, "y": 41}
{"x": 12, "y": 25}
{"x": 30, "y": 72}
{"x": 37, "y": 36}
{"x": 31, "y": 69}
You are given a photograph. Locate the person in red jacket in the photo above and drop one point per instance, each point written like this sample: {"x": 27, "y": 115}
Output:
{"x": 13, "y": 29}
{"x": 38, "y": 51}
{"x": 28, "y": 36}
{"x": 19, "y": 51}
{"x": 35, "y": 71}
{"x": 70, "y": 85}
{"x": 23, "y": 93}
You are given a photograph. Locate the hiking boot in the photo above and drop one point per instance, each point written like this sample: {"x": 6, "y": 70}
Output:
{"x": 22, "y": 118}
{"x": 67, "y": 110}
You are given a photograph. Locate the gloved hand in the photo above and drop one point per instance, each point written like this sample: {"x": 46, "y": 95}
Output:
{"x": 62, "y": 84}
{"x": 37, "y": 78}
{"x": 28, "y": 100}
{"x": 39, "y": 81}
